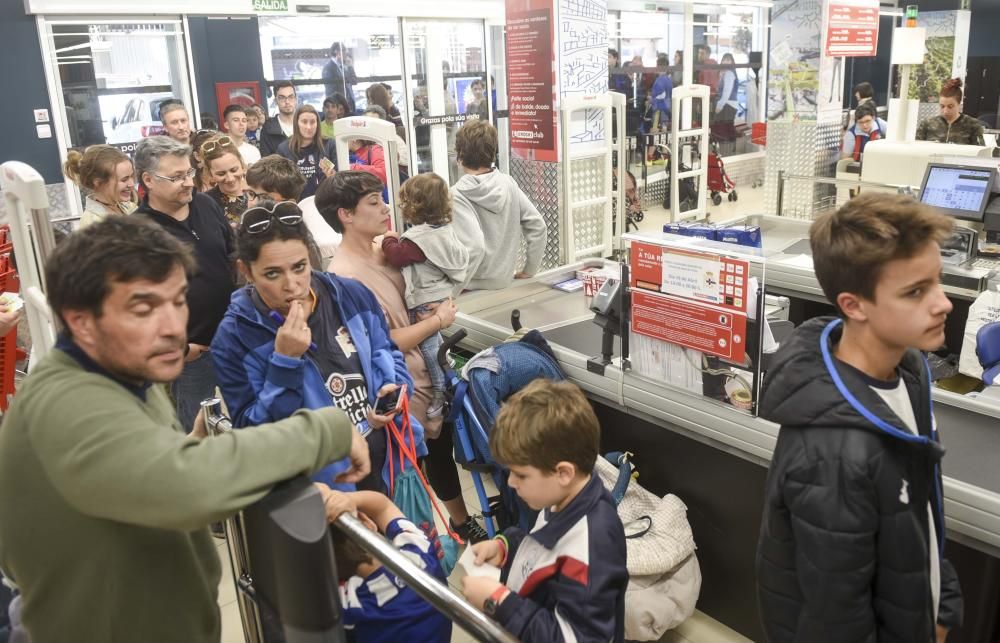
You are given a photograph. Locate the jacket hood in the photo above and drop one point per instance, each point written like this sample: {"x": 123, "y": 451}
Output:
{"x": 806, "y": 387}
{"x": 489, "y": 191}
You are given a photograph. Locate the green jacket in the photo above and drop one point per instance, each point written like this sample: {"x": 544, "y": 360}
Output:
{"x": 104, "y": 504}
{"x": 964, "y": 131}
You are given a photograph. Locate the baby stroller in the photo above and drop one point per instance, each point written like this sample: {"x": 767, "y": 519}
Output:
{"x": 490, "y": 378}
{"x": 719, "y": 182}
{"x": 633, "y": 204}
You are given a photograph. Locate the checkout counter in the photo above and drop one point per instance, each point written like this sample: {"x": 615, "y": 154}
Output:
{"x": 714, "y": 455}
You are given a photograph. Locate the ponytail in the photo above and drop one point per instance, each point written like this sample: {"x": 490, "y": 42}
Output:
{"x": 952, "y": 88}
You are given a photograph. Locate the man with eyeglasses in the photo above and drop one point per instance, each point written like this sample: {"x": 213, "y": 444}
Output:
{"x": 278, "y": 128}
{"x": 164, "y": 168}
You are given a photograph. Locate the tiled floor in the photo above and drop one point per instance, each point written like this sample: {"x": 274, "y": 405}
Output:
{"x": 751, "y": 201}
{"x": 700, "y": 628}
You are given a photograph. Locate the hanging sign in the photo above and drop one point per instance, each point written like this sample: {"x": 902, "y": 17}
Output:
{"x": 851, "y": 28}
{"x": 530, "y": 79}
{"x": 261, "y": 6}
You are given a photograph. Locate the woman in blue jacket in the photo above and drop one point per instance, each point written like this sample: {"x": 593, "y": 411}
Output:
{"x": 298, "y": 338}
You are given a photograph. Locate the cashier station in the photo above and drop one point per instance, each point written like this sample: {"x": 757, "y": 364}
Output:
{"x": 715, "y": 457}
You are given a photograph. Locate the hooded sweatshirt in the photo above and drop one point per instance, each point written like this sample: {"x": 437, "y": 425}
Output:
{"x": 443, "y": 272}
{"x": 845, "y": 549}
{"x": 505, "y": 215}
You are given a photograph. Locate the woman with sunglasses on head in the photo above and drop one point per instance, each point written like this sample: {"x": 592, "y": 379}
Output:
{"x": 201, "y": 179}
{"x": 224, "y": 166}
{"x": 314, "y": 155}
{"x": 296, "y": 338}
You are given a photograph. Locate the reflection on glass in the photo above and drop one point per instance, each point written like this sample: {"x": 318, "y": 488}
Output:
{"x": 449, "y": 55}
{"x": 114, "y": 78}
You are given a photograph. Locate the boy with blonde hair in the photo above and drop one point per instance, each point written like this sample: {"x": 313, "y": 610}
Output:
{"x": 852, "y": 536}
{"x": 565, "y": 580}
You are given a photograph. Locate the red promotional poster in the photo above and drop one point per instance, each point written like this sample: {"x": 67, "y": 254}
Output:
{"x": 852, "y": 28}
{"x": 696, "y": 275}
{"x": 711, "y": 330}
{"x": 530, "y": 79}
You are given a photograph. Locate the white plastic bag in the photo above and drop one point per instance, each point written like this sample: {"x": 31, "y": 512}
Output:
{"x": 984, "y": 310}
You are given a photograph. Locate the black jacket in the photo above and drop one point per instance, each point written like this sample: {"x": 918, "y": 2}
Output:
{"x": 843, "y": 550}
{"x": 270, "y": 136}
{"x": 210, "y": 238}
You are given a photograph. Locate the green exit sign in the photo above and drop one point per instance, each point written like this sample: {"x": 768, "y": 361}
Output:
{"x": 270, "y": 5}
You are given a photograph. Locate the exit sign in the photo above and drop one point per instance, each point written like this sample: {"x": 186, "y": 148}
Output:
{"x": 270, "y": 5}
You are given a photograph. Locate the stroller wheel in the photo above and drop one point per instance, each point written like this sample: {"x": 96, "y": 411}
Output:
{"x": 716, "y": 198}
{"x": 732, "y": 196}
{"x": 638, "y": 216}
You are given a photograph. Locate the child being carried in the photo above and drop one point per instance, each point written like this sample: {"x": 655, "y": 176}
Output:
{"x": 434, "y": 263}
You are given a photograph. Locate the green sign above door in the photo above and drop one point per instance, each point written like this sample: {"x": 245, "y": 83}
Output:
{"x": 270, "y": 5}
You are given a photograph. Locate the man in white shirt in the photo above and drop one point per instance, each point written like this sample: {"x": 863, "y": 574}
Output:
{"x": 235, "y": 117}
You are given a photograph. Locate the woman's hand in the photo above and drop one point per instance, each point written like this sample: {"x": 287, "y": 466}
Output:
{"x": 294, "y": 336}
{"x": 195, "y": 351}
{"x": 445, "y": 311}
{"x": 376, "y": 421}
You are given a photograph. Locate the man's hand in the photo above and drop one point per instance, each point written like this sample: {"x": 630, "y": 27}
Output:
{"x": 9, "y": 319}
{"x": 195, "y": 351}
{"x": 200, "y": 429}
{"x": 361, "y": 464}
{"x": 477, "y": 589}
{"x": 489, "y": 552}
{"x": 942, "y": 633}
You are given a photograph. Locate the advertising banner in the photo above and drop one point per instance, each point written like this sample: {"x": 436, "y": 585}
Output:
{"x": 708, "y": 329}
{"x": 530, "y": 79}
{"x": 851, "y": 28}
{"x": 698, "y": 275}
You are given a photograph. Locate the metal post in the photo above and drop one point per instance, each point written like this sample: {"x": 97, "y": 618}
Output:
{"x": 781, "y": 192}
{"x": 430, "y": 589}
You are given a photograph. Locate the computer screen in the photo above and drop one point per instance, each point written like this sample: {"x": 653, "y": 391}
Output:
{"x": 959, "y": 190}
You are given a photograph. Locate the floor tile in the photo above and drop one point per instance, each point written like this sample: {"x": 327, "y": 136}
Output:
{"x": 232, "y": 624}
{"x": 227, "y": 589}
{"x": 702, "y": 628}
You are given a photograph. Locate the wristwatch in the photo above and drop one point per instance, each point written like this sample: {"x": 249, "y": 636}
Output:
{"x": 491, "y": 604}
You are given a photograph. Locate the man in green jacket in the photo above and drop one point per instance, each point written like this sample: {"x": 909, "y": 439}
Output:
{"x": 104, "y": 501}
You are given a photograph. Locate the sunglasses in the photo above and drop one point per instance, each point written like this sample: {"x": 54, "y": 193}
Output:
{"x": 209, "y": 146}
{"x": 258, "y": 219}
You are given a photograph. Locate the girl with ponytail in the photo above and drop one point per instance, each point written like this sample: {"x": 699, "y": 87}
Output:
{"x": 107, "y": 176}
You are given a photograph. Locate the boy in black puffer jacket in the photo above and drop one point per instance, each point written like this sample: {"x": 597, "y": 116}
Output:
{"x": 853, "y": 530}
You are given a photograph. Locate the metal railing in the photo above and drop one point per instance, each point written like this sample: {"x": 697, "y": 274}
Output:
{"x": 429, "y": 588}
{"x": 829, "y": 201}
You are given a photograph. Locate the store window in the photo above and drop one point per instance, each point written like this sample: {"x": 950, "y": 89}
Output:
{"x": 299, "y": 49}
{"x": 448, "y": 58}
{"x": 113, "y": 76}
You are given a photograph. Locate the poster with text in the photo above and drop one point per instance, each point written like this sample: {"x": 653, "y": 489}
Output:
{"x": 530, "y": 79}
{"x": 851, "y": 28}
{"x": 709, "y": 329}
{"x": 698, "y": 275}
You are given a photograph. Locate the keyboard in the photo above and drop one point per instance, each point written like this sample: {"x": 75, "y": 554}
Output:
{"x": 985, "y": 264}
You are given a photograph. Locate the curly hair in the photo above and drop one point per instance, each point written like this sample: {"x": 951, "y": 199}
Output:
{"x": 424, "y": 198}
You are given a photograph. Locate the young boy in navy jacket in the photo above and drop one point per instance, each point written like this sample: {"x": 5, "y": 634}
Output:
{"x": 565, "y": 580}
{"x": 852, "y": 537}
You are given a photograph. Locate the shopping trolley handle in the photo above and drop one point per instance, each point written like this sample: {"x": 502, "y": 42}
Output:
{"x": 449, "y": 342}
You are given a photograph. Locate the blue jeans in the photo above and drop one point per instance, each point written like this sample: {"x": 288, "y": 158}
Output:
{"x": 196, "y": 383}
{"x": 429, "y": 349}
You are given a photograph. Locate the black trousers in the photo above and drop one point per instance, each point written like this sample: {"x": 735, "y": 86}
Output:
{"x": 442, "y": 472}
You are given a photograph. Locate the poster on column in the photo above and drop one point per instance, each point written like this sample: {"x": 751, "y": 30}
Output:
{"x": 531, "y": 80}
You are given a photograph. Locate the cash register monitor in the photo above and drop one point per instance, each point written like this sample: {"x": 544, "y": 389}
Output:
{"x": 961, "y": 191}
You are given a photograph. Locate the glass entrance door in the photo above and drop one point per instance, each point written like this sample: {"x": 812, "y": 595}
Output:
{"x": 108, "y": 79}
{"x": 448, "y": 84}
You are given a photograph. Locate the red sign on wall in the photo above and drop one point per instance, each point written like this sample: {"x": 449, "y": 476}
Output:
{"x": 708, "y": 329}
{"x": 851, "y": 27}
{"x": 530, "y": 79}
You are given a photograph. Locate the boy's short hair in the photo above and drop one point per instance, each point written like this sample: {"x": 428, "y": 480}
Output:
{"x": 864, "y": 110}
{"x": 864, "y": 90}
{"x": 231, "y": 109}
{"x": 851, "y": 246}
{"x": 347, "y": 554}
{"x": 476, "y": 144}
{"x": 344, "y": 190}
{"x": 425, "y": 198}
{"x": 275, "y": 173}
{"x": 546, "y": 423}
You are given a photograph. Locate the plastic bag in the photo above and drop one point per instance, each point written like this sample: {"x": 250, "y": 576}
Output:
{"x": 984, "y": 310}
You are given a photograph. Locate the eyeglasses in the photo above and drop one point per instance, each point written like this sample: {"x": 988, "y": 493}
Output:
{"x": 257, "y": 220}
{"x": 209, "y": 146}
{"x": 285, "y": 99}
{"x": 174, "y": 179}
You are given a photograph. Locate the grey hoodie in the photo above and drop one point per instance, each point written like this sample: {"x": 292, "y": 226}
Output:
{"x": 446, "y": 268}
{"x": 505, "y": 214}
